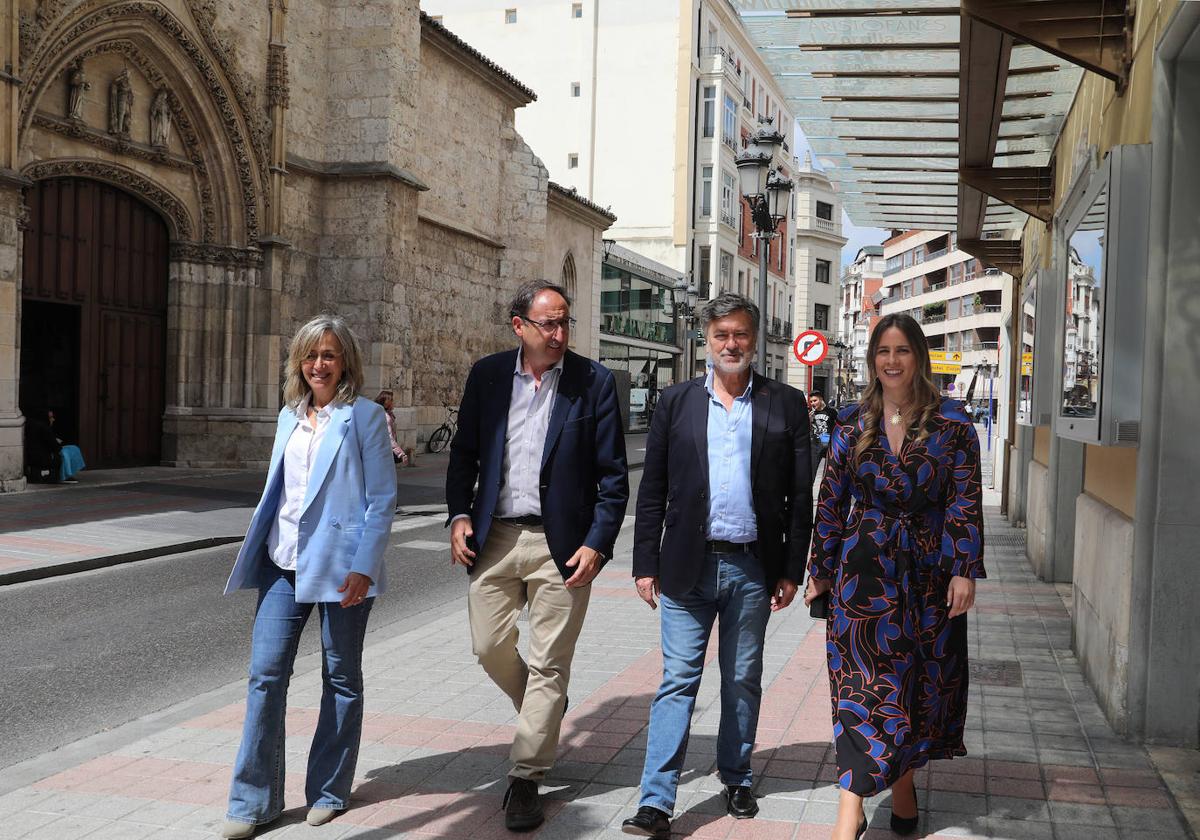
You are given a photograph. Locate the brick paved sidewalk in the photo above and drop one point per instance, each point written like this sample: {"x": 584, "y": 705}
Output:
{"x": 1043, "y": 763}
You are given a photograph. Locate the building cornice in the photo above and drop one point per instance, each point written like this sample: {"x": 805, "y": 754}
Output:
{"x": 437, "y": 34}
{"x": 570, "y": 201}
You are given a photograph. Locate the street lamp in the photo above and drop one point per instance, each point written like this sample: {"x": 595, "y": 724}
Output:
{"x": 841, "y": 347}
{"x": 985, "y": 369}
{"x": 767, "y": 192}
{"x": 682, "y": 304}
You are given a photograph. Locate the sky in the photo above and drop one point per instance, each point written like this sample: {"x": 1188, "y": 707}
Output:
{"x": 856, "y": 236}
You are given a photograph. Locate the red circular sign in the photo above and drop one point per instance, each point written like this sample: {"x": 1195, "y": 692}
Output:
{"x": 810, "y": 347}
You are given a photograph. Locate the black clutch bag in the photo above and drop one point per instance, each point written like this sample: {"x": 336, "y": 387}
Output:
{"x": 819, "y": 608}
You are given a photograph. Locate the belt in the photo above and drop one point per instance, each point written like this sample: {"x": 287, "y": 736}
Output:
{"x": 527, "y": 521}
{"x": 727, "y": 547}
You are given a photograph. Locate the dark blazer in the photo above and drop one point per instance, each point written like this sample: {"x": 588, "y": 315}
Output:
{"x": 584, "y": 478}
{"x": 672, "y": 503}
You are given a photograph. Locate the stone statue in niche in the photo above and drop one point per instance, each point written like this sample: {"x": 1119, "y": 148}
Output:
{"x": 77, "y": 84}
{"x": 160, "y": 120}
{"x": 120, "y": 105}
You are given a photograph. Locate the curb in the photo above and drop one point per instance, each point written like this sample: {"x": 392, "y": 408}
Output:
{"x": 88, "y": 563}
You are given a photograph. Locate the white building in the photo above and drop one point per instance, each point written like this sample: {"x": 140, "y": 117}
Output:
{"x": 642, "y": 108}
{"x": 1080, "y": 364}
{"x": 958, "y": 303}
{"x": 859, "y": 312}
{"x": 818, "y": 245}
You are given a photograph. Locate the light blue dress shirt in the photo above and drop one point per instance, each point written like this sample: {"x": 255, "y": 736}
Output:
{"x": 731, "y": 502}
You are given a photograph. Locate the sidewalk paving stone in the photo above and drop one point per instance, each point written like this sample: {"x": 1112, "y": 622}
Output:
{"x": 1043, "y": 765}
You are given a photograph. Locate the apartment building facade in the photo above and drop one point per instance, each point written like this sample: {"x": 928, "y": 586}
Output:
{"x": 647, "y": 120}
{"x": 817, "y": 242}
{"x": 860, "y": 284}
{"x": 959, "y": 304}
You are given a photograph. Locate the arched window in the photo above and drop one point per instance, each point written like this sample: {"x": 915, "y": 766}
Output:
{"x": 568, "y": 283}
{"x": 568, "y": 276}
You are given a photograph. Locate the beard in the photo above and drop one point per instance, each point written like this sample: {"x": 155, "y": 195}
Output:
{"x": 731, "y": 366}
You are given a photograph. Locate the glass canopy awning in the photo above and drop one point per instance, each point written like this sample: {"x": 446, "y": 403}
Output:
{"x": 875, "y": 85}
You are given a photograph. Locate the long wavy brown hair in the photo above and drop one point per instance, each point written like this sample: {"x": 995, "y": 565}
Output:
{"x": 925, "y": 396}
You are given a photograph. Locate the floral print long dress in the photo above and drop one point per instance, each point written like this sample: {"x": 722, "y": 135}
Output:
{"x": 891, "y": 530}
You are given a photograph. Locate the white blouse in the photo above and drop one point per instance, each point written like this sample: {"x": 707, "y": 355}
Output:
{"x": 302, "y": 448}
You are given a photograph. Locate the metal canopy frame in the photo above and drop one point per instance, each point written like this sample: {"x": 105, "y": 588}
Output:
{"x": 942, "y": 116}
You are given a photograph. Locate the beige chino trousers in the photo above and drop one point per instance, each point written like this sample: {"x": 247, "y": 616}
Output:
{"x": 514, "y": 569}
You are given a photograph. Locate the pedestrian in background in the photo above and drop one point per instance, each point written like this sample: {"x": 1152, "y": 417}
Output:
{"x": 898, "y": 545}
{"x": 821, "y": 419}
{"x": 317, "y": 537}
{"x": 384, "y": 398}
{"x": 719, "y": 538}
{"x": 540, "y": 431}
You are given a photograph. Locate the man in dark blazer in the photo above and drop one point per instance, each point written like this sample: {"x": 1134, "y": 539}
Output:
{"x": 724, "y": 517}
{"x": 540, "y": 431}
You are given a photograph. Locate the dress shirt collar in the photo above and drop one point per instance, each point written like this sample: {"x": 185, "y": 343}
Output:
{"x": 519, "y": 369}
{"x": 323, "y": 413}
{"x": 709, "y": 384}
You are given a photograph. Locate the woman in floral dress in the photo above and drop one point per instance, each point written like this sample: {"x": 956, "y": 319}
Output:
{"x": 898, "y": 544}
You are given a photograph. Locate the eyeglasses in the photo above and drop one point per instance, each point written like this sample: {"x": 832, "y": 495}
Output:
{"x": 329, "y": 357}
{"x": 548, "y": 327}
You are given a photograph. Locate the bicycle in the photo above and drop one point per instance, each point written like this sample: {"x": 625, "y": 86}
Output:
{"x": 442, "y": 435}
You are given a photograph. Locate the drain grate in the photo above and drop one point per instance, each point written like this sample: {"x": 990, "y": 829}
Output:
{"x": 1006, "y": 540}
{"x": 1001, "y": 672}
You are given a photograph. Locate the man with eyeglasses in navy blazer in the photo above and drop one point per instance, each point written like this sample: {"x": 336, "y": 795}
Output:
{"x": 540, "y": 431}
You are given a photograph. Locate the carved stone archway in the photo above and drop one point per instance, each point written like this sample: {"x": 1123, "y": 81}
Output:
{"x": 209, "y": 181}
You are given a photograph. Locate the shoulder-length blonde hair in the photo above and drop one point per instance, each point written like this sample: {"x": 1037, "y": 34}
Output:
{"x": 295, "y": 387}
{"x": 925, "y": 396}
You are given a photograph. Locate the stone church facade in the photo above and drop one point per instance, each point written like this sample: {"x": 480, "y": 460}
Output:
{"x": 184, "y": 182}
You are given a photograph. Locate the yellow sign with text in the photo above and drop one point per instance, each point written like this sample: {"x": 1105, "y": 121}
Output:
{"x": 945, "y": 356}
{"x": 946, "y": 367}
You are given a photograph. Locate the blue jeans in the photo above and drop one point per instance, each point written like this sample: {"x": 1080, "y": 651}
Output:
{"x": 732, "y": 588}
{"x": 256, "y": 793}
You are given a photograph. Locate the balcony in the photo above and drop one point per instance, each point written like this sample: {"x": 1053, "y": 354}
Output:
{"x": 715, "y": 60}
{"x": 817, "y": 223}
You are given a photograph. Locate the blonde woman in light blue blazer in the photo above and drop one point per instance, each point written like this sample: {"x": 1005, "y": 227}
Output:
{"x": 317, "y": 537}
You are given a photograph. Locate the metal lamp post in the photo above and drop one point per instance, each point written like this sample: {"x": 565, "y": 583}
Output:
{"x": 841, "y": 347}
{"x": 985, "y": 369}
{"x": 767, "y": 192}
{"x": 682, "y": 305}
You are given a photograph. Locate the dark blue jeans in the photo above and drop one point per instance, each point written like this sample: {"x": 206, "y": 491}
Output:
{"x": 256, "y": 793}
{"x": 732, "y": 589}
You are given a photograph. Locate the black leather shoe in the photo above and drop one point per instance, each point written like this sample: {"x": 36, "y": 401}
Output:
{"x": 906, "y": 825}
{"x": 648, "y": 822}
{"x": 740, "y": 802}
{"x": 522, "y": 806}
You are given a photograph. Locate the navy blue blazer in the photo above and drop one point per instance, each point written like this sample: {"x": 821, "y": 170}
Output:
{"x": 672, "y": 503}
{"x": 584, "y": 477}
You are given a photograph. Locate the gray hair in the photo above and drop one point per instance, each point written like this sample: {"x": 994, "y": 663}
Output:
{"x": 528, "y": 291}
{"x": 727, "y": 303}
{"x": 295, "y": 387}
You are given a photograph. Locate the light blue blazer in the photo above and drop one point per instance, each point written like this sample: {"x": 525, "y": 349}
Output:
{"x": 346, "y": 519}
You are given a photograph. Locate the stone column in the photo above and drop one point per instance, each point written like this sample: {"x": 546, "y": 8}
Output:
{"x": 367, "y": 249}
{"x": 222, "y": 361}
{"x": 12, "y": 424}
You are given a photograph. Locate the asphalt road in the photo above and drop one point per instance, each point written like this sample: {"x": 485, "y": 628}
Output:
{"x": 88, "y": 652}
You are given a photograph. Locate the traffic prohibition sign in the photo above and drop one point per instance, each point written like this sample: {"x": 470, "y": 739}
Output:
{"x": 810, "y": 347}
